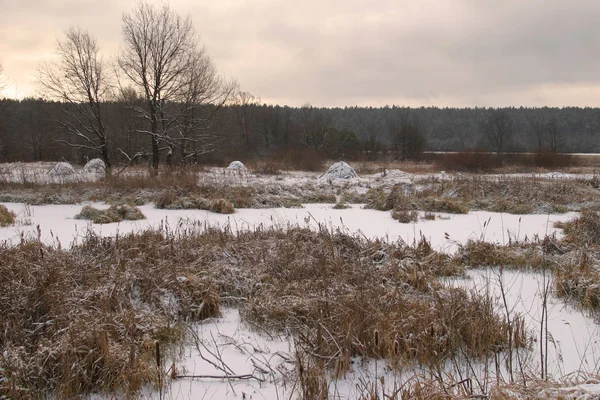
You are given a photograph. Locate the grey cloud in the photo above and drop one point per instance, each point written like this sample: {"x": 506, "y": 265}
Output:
{"x": 368, "y": 52}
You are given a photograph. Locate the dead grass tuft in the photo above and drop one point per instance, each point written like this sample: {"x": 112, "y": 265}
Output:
{"x": 583, "y": 229}
{"x": 116, "y": 213}
{"x": 405, "y": 217}
{"x": 170, "y": 201}
{"x": 7, "y": 218}
{"x": 89, "y": 319}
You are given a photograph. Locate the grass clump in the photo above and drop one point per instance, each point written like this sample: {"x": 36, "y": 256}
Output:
{"x": 7, "y": 217}
{"x": 347, "y": 297}
{"x": 405, "y": 217}
{"x": 583, "y": 229}
{"x": 91, "y": 319}
{"x": 170, "y": 201}
{"x": 479, "y": 253}
{"x": 115, "y": 213}
{"x": 580, "y": 282}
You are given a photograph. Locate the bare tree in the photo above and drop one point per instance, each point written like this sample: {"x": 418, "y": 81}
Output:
{"x": 160, "y": 48}
{"x": 314, "y": 124}
{"x": 204, "y": 94}
{"x": 554, "y": 137}
{"x": 77, "y": 79}
{"x": 244, "y": 103}
{"x": 536, "y": 125}
{"x": 407, "y": 138}
{"x": 498, "y": 129}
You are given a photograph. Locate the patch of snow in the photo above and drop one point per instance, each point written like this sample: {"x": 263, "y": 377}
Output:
{"x": 339, "y": 170}
{"x": 574, "y": 338}
{"x": 62, "y": 169}
{"x": 95, "y": 166}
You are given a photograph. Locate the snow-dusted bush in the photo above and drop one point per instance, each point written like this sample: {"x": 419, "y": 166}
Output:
{"x": 62, "y": 169}
{"x": 339, "y": 170}
{"x": 237, "y": 165}
{"x": 95, "y": 166}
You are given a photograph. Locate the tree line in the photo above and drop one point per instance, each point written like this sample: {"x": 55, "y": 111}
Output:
{"x": 35, "y": 130}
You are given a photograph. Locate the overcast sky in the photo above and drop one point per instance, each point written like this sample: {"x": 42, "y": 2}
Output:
{"x": 354, "y": 52}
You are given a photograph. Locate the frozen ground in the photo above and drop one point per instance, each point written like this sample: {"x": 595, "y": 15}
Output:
{"x": 229, "y": 346}
{"x": 56, "y": 223}
{"x": 262, "y": 363}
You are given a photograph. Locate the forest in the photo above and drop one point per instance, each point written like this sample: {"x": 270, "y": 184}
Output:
{"x": 37, "y": 130}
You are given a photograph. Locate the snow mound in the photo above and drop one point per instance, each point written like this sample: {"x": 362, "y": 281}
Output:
{"x": 339, "y": 170}
{"x": 62, "y": 169}
{"x": 237, "y": 165}
{"x": 95, "y": 166}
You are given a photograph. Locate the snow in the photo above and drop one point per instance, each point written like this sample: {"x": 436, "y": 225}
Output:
{"x": 339, "y": 170}
{"x": 245, "y": 350}
{"x": 231, "y": 345}
{"x": 446, "y": 232}
{"x": 95, "y": 166}
{"x": 237, "y": 165}
{"x": 574, "y": 338}
{"x": 62, "y": 169}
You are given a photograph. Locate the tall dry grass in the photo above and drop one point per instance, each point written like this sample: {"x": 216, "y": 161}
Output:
{"x": 94, "y": 317}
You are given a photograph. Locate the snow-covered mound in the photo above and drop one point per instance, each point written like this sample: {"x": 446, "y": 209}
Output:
{"x": 95, "y": 166}
{"x": 339, "y": 170}
{"x": 62, "y": 169}
{"x": 237, "y": 165}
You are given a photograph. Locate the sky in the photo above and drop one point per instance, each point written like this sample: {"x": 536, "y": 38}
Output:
{"x": 335, "y": 53}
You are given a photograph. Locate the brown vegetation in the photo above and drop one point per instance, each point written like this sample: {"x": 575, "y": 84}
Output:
{"x": 341, "y": 295}
{"x": 7, "y": 217}
{"x": 116, "y": 213}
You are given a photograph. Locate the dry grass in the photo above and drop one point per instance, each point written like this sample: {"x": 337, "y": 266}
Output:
{"x": 523, "y": 195}
{"x": 405, "y": 217}
{"x": 118, "y": 213}
{"x": 89, "y": 319}
{"x": 170, "y": 201}
{"x": 7, "y": 218}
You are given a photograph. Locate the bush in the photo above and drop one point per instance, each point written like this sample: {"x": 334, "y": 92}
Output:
{"x": 7, "y": 217}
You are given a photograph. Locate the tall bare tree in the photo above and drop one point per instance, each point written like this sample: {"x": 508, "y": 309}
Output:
{"x": 245, "y": 102}
{"x": 407, "y": 138}
{"x": 554, "y": 135}
{"x": 77, "y": 79}
{"x": 204, "y": 94}
{"x": 161, "y": 58}
{"x": 498, "y": 129}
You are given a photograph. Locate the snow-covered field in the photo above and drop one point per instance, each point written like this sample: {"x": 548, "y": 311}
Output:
{"x": 261, "y": 366}
{"x": 227, "y": 346}
{"x": 446, "y": 232}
